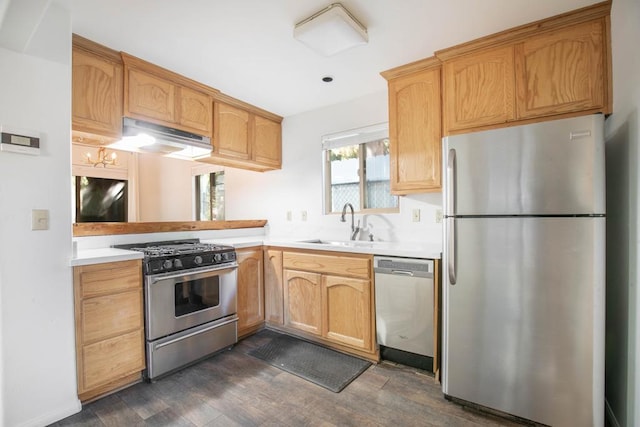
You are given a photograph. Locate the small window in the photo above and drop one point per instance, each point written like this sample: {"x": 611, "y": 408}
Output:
{"x": 209, "y": 196}
{"x": 356, "y": 170}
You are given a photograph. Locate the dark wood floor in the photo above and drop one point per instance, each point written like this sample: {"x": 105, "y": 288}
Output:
{"x": 235, "y": 389}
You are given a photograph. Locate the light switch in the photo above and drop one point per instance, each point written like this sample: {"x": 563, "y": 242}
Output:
{"x": 416, "y": 215}
{"x": 288, "y": 215}
{"x": 303, "y": 215}
{"x": 39, "y": 219}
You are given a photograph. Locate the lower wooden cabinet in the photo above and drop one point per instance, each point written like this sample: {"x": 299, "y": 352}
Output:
{"x": 250, "y": 290}
{"x": 109, "y": 326}
{"x": 329, "y": 298}
{"x": 303, "y": 299}
{"x": 347, "y": 311}
{"x": 273, "y": 287}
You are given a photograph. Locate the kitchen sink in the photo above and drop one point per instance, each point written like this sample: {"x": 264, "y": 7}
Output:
{"x": 344, "y": 243}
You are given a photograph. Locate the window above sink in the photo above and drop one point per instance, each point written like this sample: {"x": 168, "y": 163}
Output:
{"x": 356, "y": 170}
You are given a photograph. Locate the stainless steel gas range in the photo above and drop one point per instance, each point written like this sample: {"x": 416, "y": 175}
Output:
{"x": 190, "y": 291}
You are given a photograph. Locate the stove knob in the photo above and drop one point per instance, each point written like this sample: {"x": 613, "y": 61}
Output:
{"x": 167, "y": 264}
{"x": 198, "y": 259}
{"x": 217, "y": 257}
{"x": 177, "y": 263}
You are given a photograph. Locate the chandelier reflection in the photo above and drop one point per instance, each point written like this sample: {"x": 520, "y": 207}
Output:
{"x": 104, "y": 159}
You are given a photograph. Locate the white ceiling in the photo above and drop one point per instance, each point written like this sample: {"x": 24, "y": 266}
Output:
{"x": 246, "y": 48}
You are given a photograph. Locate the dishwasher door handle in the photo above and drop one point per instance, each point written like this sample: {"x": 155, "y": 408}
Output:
{"x": 402, "y": 272}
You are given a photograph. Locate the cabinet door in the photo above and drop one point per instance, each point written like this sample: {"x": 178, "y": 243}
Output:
{"x": 196, "y": 111}
{"x": 111, "y": 315}
{"x": 273, "y": 287}
{"x": 96, "y": 95}
{"x": 347, "y": 309}
{"x": 231, "y": 134}
{"x": 108, "y": 360}
{"x": 302, "y": 298}
{"x": 150, "y": 97}
{"x": 267, "y": 141}
{"x": 250, "y": 289}
{"x": 415, "y": 132}
{"x": 561, "y": 71}
{"x": 479, "y": 89}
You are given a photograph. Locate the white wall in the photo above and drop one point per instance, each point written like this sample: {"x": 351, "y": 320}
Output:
{"x": 165, "y": 189}
{"x": 298, "y": 186}
{"x": 623, "y": 183}
{"x": 37, "y": 328}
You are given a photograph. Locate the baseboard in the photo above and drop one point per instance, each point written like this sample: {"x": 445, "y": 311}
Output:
{"x": 52, "y": 417}
{"x": 610, "y": 416}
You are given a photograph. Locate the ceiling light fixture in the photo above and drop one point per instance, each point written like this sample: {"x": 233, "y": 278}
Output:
{"x": 331, "y": 30}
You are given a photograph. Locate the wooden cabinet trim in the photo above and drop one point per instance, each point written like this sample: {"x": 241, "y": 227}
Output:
{"x": 131, "y": 61}
{"x": 226, "y": 99}
{"x": 598, "y": 10}
{"x": 81, "y": 229}
{"x": 412, "y": 67}
{"x": 93, "y": 48}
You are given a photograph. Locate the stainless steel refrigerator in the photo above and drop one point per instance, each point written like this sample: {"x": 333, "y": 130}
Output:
{"x": 523, "y": 270}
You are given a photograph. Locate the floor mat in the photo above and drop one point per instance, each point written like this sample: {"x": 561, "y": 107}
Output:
{"x": 322, "y": 366}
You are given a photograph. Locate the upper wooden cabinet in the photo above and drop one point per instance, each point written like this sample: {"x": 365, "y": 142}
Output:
{"x": 557, "y": 66}
{"x": 415, "y": 128}
{"x": 245, "y": 136}
{"x": 267, "y": 141}
{"x": 160, "y": 96}
{"x": 561, "y": 71}
{"x": 232, "y": 131}
{"x": 479, "y": 89}
{"x": 97, "y": 83}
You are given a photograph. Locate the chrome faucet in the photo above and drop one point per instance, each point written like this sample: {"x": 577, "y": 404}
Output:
{"x": 354, "y": 229}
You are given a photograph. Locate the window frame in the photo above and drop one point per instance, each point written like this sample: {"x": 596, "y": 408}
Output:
{"x": 358, "y": 136}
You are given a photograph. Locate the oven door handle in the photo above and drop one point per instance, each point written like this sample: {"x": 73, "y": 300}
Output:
{"x": 198, "y": 332}
{"x": 194, "y": 275}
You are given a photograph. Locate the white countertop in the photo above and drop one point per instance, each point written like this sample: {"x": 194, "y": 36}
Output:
{"x": 400, "y": 249}
{"x": 102, "y": 255}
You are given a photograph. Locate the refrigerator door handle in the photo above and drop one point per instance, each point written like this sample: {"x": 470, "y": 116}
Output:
{"x": 450, "y": 222}
{"x": 451, "y": 182}
{"x": 451, "y": 255}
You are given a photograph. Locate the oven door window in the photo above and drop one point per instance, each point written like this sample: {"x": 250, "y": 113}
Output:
{"x": 196, "y": 295}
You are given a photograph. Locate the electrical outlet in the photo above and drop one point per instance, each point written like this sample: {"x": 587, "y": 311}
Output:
{"x": 416, "y": 215}
{"x": 288, "y": 215}
{"x": 303, "y": 215}
{"x": 438, "y": 216}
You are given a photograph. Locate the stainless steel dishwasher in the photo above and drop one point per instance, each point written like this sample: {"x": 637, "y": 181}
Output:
{"x": 404, "y": 310}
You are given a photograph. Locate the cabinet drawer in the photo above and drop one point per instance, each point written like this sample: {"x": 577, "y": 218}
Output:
{"x": 111, "y": 315}
{"x": 108, "y": 360}
{"x": 109, "y": 278}
{"x": 332, "y": 264}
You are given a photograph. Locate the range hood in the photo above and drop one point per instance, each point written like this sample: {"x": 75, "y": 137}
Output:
{"x": 138, "y": 135}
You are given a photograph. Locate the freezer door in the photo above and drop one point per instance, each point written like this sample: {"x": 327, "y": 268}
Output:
{"x": 549, "y": 168}
{"x": 523, "y": 325}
